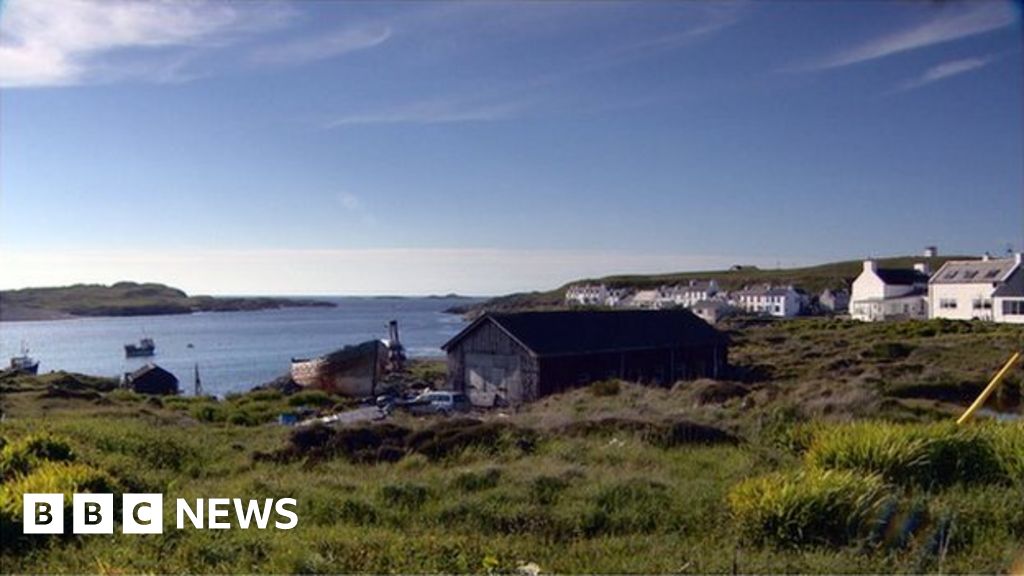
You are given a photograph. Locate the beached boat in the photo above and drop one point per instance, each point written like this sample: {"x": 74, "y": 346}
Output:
{"x": 145, "y": 347}
{"x": 24, "y": 363}
{"x": 353, "y": 370}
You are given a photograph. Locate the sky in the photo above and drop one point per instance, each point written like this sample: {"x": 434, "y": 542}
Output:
{"x": 335, "y": 147}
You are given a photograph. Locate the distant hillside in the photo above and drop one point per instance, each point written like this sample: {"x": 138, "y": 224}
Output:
{"x": 124, "y": 299}
{"x": 812, "y": 279}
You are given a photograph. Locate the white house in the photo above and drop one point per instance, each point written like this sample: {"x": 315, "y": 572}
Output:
{"x": 888, "y": 293}
{"x": 595, "y": 295}
{"x": 686, "y": 295}
{"x": 834, "y": 300}
{"x": 782, "y": 302}
{"x": 711, "y": 311}
{"x": 586, "y": 294}
{"x": 646, "y": 299}
{"x": 966, "y": 289}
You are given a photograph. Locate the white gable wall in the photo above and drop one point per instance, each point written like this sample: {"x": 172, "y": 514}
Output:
{"x": 968, "y": 301}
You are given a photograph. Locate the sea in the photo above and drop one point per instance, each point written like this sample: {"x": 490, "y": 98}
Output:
{"x": 234, "y": 351}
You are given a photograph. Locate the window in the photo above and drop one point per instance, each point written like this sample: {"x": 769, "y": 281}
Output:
{"x": 950, "y": 275}
{"x": 1013, "y": 307}
{"x": 970, "y": 274}
{"x": 947, "y": 303}
{"x": 981, "y": 304}
{"x": 992, "y": 273}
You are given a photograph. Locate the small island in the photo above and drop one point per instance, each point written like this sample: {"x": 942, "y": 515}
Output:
{"x": 126, "y": 299}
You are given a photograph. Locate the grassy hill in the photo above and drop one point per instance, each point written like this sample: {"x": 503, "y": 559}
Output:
{"x": 834, "y": 451}
{"x": 813, "y": 279}
{"x": 123, "y": 299}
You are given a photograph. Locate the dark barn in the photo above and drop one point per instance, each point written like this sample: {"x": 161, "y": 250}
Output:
{"x": 521, "y": 357}
{"x": 152, "y": 379}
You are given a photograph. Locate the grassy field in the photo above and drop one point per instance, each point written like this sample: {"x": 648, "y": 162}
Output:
{"x": 832, "y": 450}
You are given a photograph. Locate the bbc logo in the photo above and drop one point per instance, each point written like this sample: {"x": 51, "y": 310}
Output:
{"x": 93, "y": 514}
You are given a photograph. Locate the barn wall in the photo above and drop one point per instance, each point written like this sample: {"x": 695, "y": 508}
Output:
{"x": 660, "y": 367}
{"x": 488, "y": 363}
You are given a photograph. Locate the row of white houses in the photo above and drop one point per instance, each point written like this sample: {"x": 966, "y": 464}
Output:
{"x": 985, "y": 289}
{"x": 701, "y": 296}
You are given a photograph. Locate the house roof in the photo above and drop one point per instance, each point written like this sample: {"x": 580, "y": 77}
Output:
{"x": 710, "y": 305}
{"x": 766, "y": 291}
{"x": 975, "y": 271}
{"x": 692, "y": 286}
{"x": 902, "y": 276}
{"x": 151, "y": 371}
{"x": 561, "y": 333}
{"x": 1013, "y": 287}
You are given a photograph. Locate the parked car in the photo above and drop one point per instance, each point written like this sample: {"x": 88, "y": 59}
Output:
{"x": 438, "y": 403}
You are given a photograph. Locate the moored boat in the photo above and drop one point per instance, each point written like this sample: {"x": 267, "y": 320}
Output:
{"x": 145, "y": 347}
{"x": 24, "y": 363}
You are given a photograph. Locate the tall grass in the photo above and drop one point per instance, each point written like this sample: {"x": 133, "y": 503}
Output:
{"x": 811, "y": 507}
{"x": 928, "y": 456}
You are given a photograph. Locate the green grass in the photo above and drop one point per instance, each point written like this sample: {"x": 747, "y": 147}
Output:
{"x": 924, "y": 455}
{"x": 808, "y": 508}
{"x": 781, "y": 473}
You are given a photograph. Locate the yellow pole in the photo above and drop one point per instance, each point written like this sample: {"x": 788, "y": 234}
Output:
{"x": 980, "y": 401}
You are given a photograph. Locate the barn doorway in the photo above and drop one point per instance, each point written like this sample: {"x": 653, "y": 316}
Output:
{"x": 493, "y": 379}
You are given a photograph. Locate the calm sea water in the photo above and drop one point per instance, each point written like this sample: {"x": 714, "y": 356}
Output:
{"x": 234, "y": 350}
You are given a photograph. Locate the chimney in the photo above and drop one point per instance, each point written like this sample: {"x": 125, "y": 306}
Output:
{"x": 1018, "y": 257}
{"x": 870, "y": 266}
{"x": 922, "y": 267}
{"x": 930, "y": 252}
{"x": 986, "y": 257}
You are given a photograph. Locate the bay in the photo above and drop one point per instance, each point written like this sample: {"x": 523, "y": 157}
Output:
{"x": 235, "y": 351}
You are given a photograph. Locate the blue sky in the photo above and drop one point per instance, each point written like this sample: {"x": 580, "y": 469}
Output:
{"x": 480, "y": 147}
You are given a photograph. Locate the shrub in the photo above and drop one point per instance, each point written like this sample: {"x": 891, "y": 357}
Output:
{"x": 209, "y": 412}
{"x": 605, "y": 388}
{"x": 923, "y": 455}
{"x": 813, "y": 507}
{"x": 684, "y": 432}
{"x": 544, "y": 490}
{"x": 1008, "y": 443}
{"x": 310, "y": 398}
{"x": 475, "y": 481}
{"x": 628, "y": 507}
{"x": 20, "y": 456}
{"x": 49, "y": 477}
{"x": 454, "y": 436}
{"x": 665, "y": 434}
{"x": 404, "y": 495}
{"x": 154, "y": 450}
{"x": 889, "y": 351}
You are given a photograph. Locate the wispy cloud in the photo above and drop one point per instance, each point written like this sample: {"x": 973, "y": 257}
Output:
{"x": 515, "y": 95}
{"x": 429, "y": 112}
{"x": 945, "y": 70}
{"x": 952, "y": 23}
{"x": 62, "y": 42}
{"x": 324, "y": 46}
{"x": 353, "y": 205}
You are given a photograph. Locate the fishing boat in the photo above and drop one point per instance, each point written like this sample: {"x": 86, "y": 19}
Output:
{"x": 145, "y": 347}
{"x": 24, "y": 364}
{"x": 353, "y": 370}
